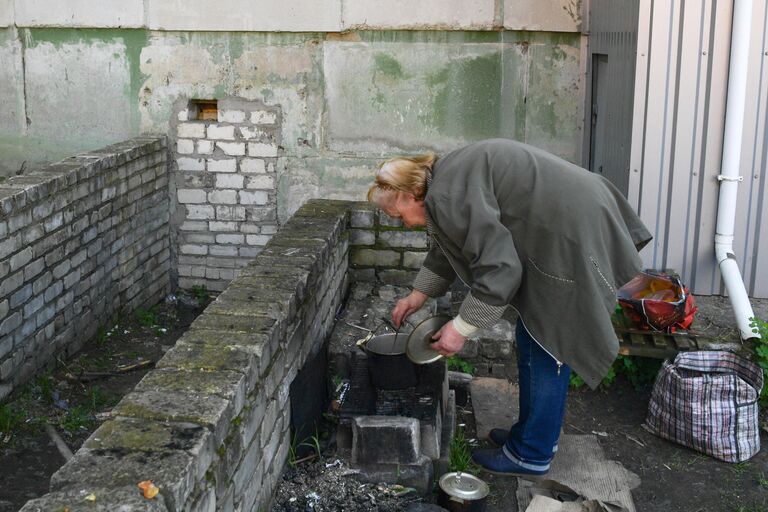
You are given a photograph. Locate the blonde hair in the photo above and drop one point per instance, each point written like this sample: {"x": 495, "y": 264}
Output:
{"x": 402, "y": 174}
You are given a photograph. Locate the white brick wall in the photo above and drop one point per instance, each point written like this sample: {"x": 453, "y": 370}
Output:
{"x": 225, "y": 189}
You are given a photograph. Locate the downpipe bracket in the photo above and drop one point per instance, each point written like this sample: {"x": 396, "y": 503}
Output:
{"x": 724, "y": 177}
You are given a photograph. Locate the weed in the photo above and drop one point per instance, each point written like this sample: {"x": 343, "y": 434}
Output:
{"x": 762, "y": 481}
{"x": 760, "y": 327}
{"x": 146, "y": 317}
{"x": 640, "y": 371}
{"x": 201, "y": 294}
{"x": 77, "y": 418}
{"x": 457, "y": 364}
{"x": 740, "y": 468}
{"x": 10, "y": 419}
{"x": 98, "y": 399}
{"x": 312, "y": 442}
{"x": 293, "y": 450}
{"x": 460, "y": 454}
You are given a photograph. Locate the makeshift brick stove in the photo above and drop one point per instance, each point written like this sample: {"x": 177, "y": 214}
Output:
{"x": 395, "y": 435}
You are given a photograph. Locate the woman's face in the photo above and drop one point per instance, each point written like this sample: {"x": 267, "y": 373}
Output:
{"x": 407, "y": 208}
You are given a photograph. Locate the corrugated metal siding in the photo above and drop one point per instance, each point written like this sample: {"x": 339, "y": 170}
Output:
{"x": 613, "y": 32}
{"x": 679, "y": 108}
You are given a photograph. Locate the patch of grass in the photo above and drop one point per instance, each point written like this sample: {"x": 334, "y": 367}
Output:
{"x": 740, "y": 468}
{"x": 11, "y": 419}
{"x": 460, "y": 454}
{"x": 77, "y": 418}
{"x": 201, "y": 294}
{"x": 751, "y": 508}
{"x": 146, "y": 317}
{"x": 457, "y": 364}
{"x": 640, "y": 371}
{"x": 760, "y": 327}
{"x": 98, "y": 399}
{"x": 762, "y": 480}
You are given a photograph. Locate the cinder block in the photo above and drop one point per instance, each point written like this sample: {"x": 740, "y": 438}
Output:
{"x": 361, "y": 218}
{"x": 222, "y": 197}
{"x": 260, "y": 149}
{"x": 257, "y": 239}
{"x": 190, "y": 164}
{"x": 186, "y": 195}
{"x": 263, "y": 117}
{"x": 385, "y": 439}
{"x": 191, "y": 130}
{"x": 413, "y": 259}
{"x": 257, "y": 198}
{"x": 221, "y": 132}
{"x": 253, "y": 165}
{"x": 226, "y": 165}
{"x": 231, "y": 116}
{"x": 200, "y": 212}
{"x": 229, "y": 239}
{"x": 260, "y": 182}
{"x": 205, "y": 147}
{"x": 232, "y": 148}
{"x": 407, "y": 239}
{"x": 185, "y": 146}
{"x": 361, "y": 237}
{"x": 229, "y": 181}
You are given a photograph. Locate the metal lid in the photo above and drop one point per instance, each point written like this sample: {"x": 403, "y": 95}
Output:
{"x": 464, "y": 486}
{"x": 419, "y": 349}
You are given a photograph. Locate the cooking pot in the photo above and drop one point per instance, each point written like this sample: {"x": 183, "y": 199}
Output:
{"x": 388, "y": 366}
{"x": 462, "y": 492}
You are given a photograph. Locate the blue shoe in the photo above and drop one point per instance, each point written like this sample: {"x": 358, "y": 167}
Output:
{"x": 494, "y": 460}
{"x": 498, "y": 437}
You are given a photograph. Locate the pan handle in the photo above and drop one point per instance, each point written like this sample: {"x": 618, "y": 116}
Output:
{"x": 362, "y": 341}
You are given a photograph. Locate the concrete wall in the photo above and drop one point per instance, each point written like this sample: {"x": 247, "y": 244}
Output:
{"x": 295, "y": 16}
{"x": 79, "y": 241}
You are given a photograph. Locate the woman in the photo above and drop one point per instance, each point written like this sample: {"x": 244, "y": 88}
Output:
{"x": 523, "y": 229}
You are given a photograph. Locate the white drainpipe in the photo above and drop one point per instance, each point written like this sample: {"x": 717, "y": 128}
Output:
{"x": 730, "y": 178}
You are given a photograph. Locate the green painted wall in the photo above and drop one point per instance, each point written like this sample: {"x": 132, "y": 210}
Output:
{"x": 348, "y": 99}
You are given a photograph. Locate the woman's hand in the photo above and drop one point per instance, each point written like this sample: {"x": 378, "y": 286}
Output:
{"x": 449, "y": 340}
{"x": 407, "y": 306}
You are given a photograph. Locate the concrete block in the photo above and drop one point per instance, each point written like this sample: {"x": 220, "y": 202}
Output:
{"x": 231, "y": 116}
{"x": 413, "y": 259}
{"x": 190, "y": 164}
{"x": 385, "y": 439}
{"x": 191, "y": 130}
{"x": 80, "y": 13}
{"x": 257, "y": 239}
{"x": 221, "y": 132}
{"x": 199, "y": 250}
{"x": 230, "y": 239}
{"x": 222, "y": 197}
{"x": 374, "y": 258}
{"x": 226, "y": 165}
{"x": 419, "y": 475}
{"x": 362, "y": 237}
{"x": 408, "y": 239}
{"x": 257, "y": 198}
{"x": 265, "y": 182}
{"x": 186, "y": 195}
{"x": 259, "y": 149}
{"x": 229, "y": 181}
{"x": 223, "y": 250}
{"x": 185, "y": 146}
{"x": 230, "y": 213}
{"x": 123, "y": 498}
{"x": 232, "y": 148}
{"x": 205, "y": 147}
{"x": 7, "y": 15}
{"x": 554, "y": 16}
{"x": 429, "y": 14}
{"x": 263, "y": 117}
{"x": 247, "y": 16}
{"x": 254, "y": 165}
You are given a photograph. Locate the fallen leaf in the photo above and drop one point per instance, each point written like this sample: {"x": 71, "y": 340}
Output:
{"x": 90, "y": 497}
{"x": 150, "y": 490}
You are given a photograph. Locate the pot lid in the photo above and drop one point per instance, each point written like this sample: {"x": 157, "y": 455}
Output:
{"x": 419, "y": 349}
{"x": 464, "y": 486}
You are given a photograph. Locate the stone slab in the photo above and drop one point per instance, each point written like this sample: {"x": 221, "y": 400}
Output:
{"x": 581, "y": 465}
{"x": 246, "y": 15}
{"x": 445, "y": 14}
{"x": 107, "y": 500}
{"x": 80, "y": 13}
{"x": 495, "y": 402}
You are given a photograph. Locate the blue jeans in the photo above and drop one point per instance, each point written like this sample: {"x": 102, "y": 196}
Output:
{"x": 532, "y": 441}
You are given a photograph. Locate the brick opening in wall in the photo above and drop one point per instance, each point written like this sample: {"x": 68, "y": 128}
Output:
{"x": 309, "y": 398}
{"x": 203, "y": 110}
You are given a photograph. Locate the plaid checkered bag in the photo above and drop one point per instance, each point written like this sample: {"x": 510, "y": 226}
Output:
{"x": 708, "y": 401}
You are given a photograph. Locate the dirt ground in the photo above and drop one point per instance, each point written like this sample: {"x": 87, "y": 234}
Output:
{"x": 673, "y": 478}
{"x": 75, "y": 396}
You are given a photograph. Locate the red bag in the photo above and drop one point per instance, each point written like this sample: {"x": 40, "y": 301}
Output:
{"x": 657, "y": 301}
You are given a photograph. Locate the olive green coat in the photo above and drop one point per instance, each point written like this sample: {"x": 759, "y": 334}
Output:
{"x": 525, "y": 228}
